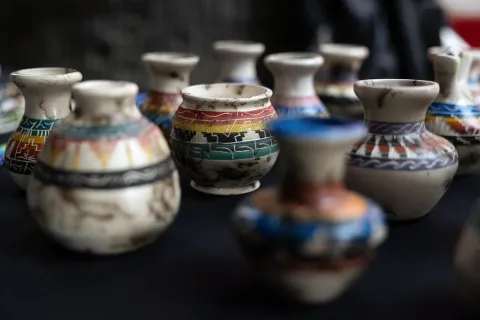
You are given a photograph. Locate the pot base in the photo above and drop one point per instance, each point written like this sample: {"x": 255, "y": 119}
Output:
{"x": 226, "y": 191}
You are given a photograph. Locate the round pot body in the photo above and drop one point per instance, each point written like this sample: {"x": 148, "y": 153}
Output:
{"x": 105, "y": 182}
{"x": 400, "y": 164}
{"x": 219, "y": 137}
{"x": 310, "y": 238}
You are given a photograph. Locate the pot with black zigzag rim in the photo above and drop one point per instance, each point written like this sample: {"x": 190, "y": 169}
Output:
{"x": 105, "y": 182}
{"x": 219, "y": 137}
{"x": 400, "y": 164}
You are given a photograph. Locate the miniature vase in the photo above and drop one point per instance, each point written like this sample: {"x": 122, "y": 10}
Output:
{"x": 467, "y": 258}
{"x": 105, "y": 182}
{"x": 219, "y": 137}
{"x": 12, "y": 105}
{"x": 294, "y": 92}
{"x": 310, "y": 238}
{"x": 47, "y": 93}
{"x": 238, "y": 61}
{"x": 169, "y": 74}
{"x": 454, "y": 114}
{"x": 335, "y": 87}
{"x": 400, "y": 164}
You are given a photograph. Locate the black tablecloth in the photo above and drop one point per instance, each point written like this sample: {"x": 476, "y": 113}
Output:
{"x": 197, "y": 271}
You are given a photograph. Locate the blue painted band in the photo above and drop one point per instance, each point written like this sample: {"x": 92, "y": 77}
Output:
{"x": 295, "y": 111}
{"x": 452, "y": 110}
{"x": 315, "y": 128}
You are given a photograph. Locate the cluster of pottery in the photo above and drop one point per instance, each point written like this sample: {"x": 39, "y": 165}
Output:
{"x": 102, "y": 178}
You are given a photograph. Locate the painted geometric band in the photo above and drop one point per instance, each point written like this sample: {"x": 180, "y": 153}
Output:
{"x": 124, "y": 130}
{"x": 395, "y": 128}
{"x": 293, "y": 111}
{"x": 339, "y": 101}
{"x": 105, "y": 180}
{"x": 206, "y": 115}
{"x": 19, "y": 166}
{"x": 463, "y": 140}
{"x": 37, "y": 124}
{"x": 452, "y": 110}
{"x": 226, "y": 151}
{"x": 216, "y": 137}
{"x": 402, "y": 164}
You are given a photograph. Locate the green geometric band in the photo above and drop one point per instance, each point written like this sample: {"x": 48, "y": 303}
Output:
{"x": 225, "y": 151}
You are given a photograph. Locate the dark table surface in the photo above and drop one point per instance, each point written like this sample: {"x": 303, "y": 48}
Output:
{"x": 196, "y": 269}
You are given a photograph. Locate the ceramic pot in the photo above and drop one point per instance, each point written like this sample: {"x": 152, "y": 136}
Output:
{"x": 398, "y": 153}
{"x": 294, "y": 92}
{"x": 12, "y": 105}
{"x": 169, "y": 73}
{"x": 105, "y": 182}
{"x": 47, "y": 93}
{"x": 454, "y": 114}
{"x": 467, "y": 258}
{"x": 310, "y": 238}
{"x": 238, "y": 61}
{"x": 335, "y": 88}
{"x": 219, "y": 138}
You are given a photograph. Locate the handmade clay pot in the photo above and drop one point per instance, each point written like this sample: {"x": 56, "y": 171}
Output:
{"x": 238, "y": 61}
{"x": 294, "y": 92}
{"x": 47, "y": 93}
{"x": 105, "y": 182}
{"x": 400, "y": 164}
{"x": 169, "y": 74}
{"x": 454, "y": 114}
{"x": 311, "y": 238}
{"x": 219, "y": 137}
{"x": 467, "y": 259}
{"x": 12, "y": 105}
{"x": 335, "y": 88}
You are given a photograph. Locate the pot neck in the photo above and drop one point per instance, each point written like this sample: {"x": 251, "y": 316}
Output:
{"x": 237, "y": 68}
{"x": 47, "y": 102}
{"x": 339, "y": 74}
{"x": 294, "y": 82}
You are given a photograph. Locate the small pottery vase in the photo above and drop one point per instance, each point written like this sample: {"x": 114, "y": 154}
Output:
{"x": 105, "y": 182}
{"x": 12, "y": 105}
{"x": 219, "y": 137}
{"x": 47, "y": 93}
{"x": 398, "y": 153}
{"x": 169, "y": 74}
{"x": 294, "y": 92}
{"x": 238, "y": 61}
{"x": 467, "y": 258}
{"x": 311, "y": 238}
{"x": 454, "y": 114}
{"x": 335, "y": 89}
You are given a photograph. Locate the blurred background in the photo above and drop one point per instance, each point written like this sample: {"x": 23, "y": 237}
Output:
{"x": 105, "y": 38}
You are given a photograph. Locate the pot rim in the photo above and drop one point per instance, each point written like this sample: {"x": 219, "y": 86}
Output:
{"x": 397, "y": 84}
{"x": 105, "y": 89}
{"x": 295, "y": 59}
{"x": 239, "y": 46}
{"x": 192, "y": 93}
{"x": 170, "y": 57}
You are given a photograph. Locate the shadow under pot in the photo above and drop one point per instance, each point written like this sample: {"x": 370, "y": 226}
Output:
{"x": 400, "y": 164}
{"x": 219, "y": 137}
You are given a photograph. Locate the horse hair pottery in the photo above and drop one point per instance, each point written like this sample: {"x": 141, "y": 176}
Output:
{"x": 105, "y": 182}
{"x": 454, "y": 114}
{"x": 335, "y": 89}
{"x": 467, "y": 258}
{"x": 294, "y": 92}
{"x": 47, "y": 93}
{"x": 310, "y": 238}
{"x": 238, "y": 60}
{"x": 474, "y": 75}
{"x": 12, "y": 105}
{"x": 169, "y": 74}
{"x": 219, "y": 137}
{"x": 400, "y": 164}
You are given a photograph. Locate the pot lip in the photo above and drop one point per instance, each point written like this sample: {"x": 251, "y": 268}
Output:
{"x": 189, "y": 93}
{"x": 170, "y": 57}
{"x": 239, "y": 46}
{"x": 46, "y": 72}
{"x": 295, "y": 59}
{"x": 105, "y": 89}
{"x": 397, "y": 85}
{"x": 316, "y": 128}
{"x": 343, "y": 50}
